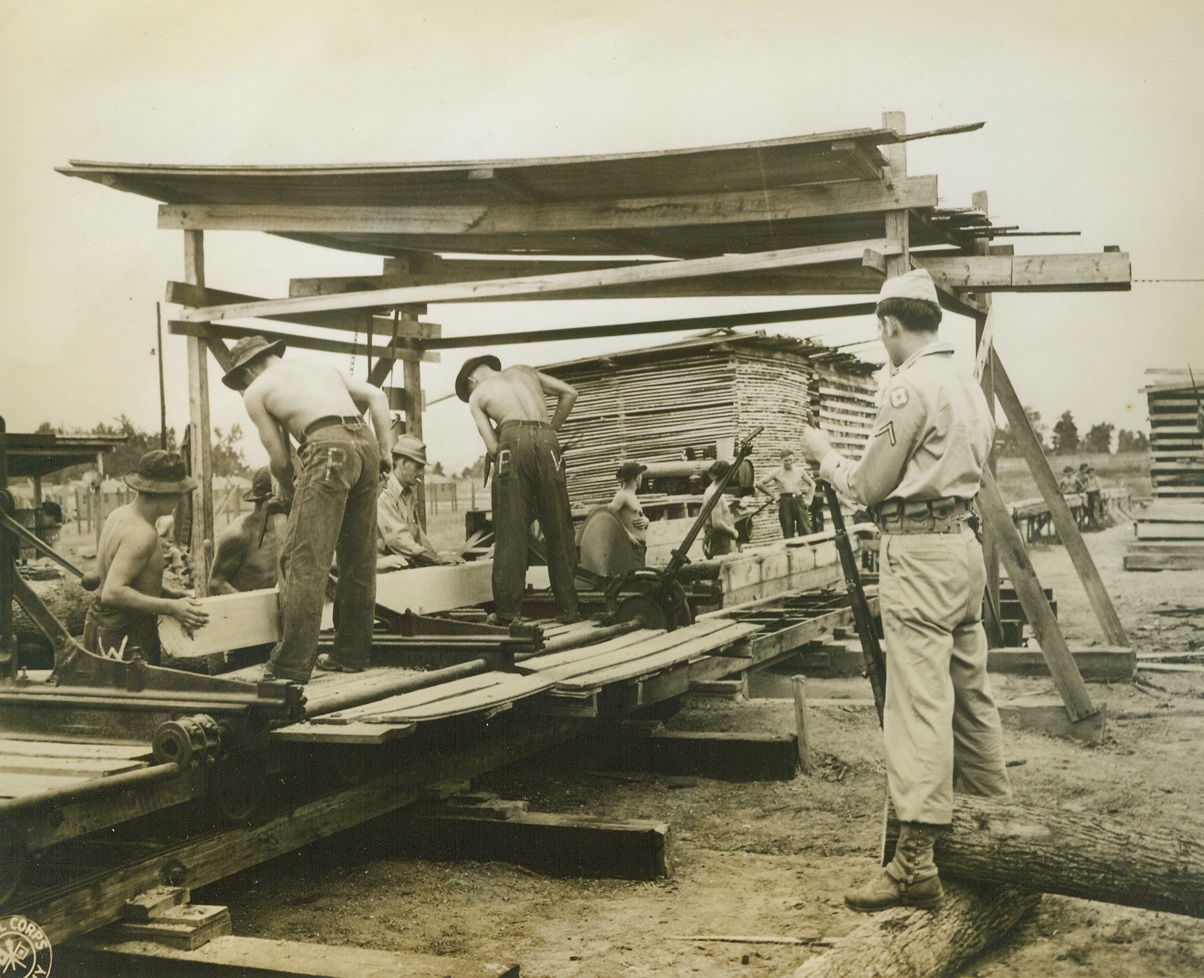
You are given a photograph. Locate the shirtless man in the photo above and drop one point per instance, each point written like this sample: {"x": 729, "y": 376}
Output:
{"x": 333, "y": 499}
{"x": 248, "y": 549}
{"x": 123, "y": 613}
{"x": 529, "y": 477}
{"x": 720, "y": 535}
{"x": 796, "y": 489}
{"x": 626, "y": 506}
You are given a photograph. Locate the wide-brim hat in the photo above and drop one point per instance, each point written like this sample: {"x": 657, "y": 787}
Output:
{"x": 470, "y": 365}
{"x": 629, "y": 470}
{"x": 261, "y": 486}
{"x": 162, "y": 474}
{"x": 411, "y": 447}
{"x": 247, "y": 349}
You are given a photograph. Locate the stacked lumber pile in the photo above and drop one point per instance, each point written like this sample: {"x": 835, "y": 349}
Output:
{"x": 1170, "y": 534}
{"x": 701, "y": 396}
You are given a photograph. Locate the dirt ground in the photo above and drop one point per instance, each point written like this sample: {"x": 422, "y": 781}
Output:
{"x": 772, "y": 859}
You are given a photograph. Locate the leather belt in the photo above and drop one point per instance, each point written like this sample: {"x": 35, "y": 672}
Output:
{"x": 329, "y": 421}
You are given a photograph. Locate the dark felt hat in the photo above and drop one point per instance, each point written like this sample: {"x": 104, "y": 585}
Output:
{"x": 470, "y": 365}
{"x": 261, "y": 486}
{"x": 629, "y": 470}
{"x": 244, "y": 351}
{"x": 161, "y": 473}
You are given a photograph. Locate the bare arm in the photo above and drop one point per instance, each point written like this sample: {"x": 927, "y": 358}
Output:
{"x": 119, "y": 592}
{"x": 765, "y": 484}
{"x": 231, "y": 549}
{"x": 274, "y": 440}
{"x": 484, "y": 426}
{"x": 373, "y": 398}
{"x": 566, "y": 397}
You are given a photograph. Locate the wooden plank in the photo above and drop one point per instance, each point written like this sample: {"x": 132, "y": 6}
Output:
{"x": 774, "y": 204}
{"x": 546, "y": 284}
{"x": 65, "y": 767}
{"x": 724, "y": 756}
{"x": 426, "y": 590}
{"x": 19, "y": 785}
{"x": 236, "y": 621}
{"x": 472, "y": 694}
{"x": 188, "y": 294}
{"x": 1106, "y": 271}
{"x": 799, "y": 689}
{"x": 1024, "y": 580}
{"x": 1063, "y": 520}
{"x": 644, "y": 641}
{"x": 1097, "y": 664}
{"x": 51, "y": 748}
{"x": 201, "y": 534}
{"x": 223, "y": 331}
{"x": 230, "y": 956}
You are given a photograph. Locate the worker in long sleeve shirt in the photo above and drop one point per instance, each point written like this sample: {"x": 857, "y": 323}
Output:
{"x": 399, "y": 532}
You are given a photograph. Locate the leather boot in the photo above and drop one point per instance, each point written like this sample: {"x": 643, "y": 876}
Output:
{"x": 910, "y": 880}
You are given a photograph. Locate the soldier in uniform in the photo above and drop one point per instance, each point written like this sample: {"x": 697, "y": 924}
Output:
{"x": 919, "y": 473}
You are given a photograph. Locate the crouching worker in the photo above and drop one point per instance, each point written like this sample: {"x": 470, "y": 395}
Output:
{"x": 249, "y": 548}
{"x": 918, "y": 476}
{"x": 123, "y": 615}
{"x": 399, "y": 533}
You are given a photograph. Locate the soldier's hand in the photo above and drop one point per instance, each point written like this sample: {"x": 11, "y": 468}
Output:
{"x": 815, "y": 443}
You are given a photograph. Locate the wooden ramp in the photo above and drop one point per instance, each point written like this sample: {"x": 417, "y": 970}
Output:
{"x": 636, "y": 655}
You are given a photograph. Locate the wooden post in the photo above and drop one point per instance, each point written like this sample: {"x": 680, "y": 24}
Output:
{"x": 897, "y": 221}
{"x": 799, "y": 686}
{"x": 412, "y": 380}
{"x": 1059, "y": 511}
{"x": 990, "y": 554}
{"x": 198, "y": 414}
{"x": 1066, "y": 677}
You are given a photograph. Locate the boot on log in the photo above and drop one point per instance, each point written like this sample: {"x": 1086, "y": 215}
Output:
{"x": 1070, "y": 853}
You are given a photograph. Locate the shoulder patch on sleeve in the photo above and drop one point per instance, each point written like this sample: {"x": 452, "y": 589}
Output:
{"x": 898, "y": 396}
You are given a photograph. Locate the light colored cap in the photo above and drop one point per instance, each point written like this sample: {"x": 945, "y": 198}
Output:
{"x": 915, "y": 284}
{"x": 408, "y": 446}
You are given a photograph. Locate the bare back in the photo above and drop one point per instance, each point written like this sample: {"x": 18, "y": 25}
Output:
{"x": 126, "y": 529}
{"x": 296, "y": 394}
{"x": 513, "y": 394}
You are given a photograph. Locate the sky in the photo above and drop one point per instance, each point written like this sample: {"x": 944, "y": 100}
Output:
{"x": 1092, "y": 115}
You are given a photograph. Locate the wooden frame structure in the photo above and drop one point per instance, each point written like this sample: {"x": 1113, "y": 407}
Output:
{"x": 825, "y": 214}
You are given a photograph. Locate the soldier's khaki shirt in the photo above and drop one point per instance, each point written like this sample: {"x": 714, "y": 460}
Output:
{"x": 930, "y": 439}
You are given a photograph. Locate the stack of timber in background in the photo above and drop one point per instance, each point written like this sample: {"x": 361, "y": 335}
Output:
{"x": 652, "y": 404}
{"x": 1170, "y": 533}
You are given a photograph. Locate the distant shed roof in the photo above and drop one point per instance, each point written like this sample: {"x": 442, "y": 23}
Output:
{"x": 478, "y": 203}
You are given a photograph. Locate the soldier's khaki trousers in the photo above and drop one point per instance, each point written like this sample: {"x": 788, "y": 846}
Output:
{"x": 941, "y": 724}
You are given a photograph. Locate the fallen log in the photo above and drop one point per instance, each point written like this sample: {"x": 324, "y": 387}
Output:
{"x": 1074, "y": 854}
{"x": 912, "y": 943}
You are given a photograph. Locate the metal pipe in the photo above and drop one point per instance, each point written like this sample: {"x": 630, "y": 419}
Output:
{"x": 67, "y": 794}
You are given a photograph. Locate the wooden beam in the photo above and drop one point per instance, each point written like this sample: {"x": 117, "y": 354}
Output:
{"x": 701, "y": 323}
{"x": 559, "y": 285}
{"x": 517, "y": 217}
{"x": 186, "y": 294}
{"x": 722, "y": 756}
{"x": 211, "y": 330}
{"x": 198, "y": 418}
{"x": 1109, "y": 271}
{"x": 1023, "y": 578}
{"x": 1063, "y": 520}
{"x": 897, "y": 220}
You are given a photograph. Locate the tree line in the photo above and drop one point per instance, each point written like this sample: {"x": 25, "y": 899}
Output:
{"x": 1066, "y": 439}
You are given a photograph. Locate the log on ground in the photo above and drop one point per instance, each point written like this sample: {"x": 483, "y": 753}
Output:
{"x": 909, "y": 943}
{"x": 1074, "y": 854}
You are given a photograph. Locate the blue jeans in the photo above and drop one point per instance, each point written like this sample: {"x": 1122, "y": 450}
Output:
{"x": 334, "y": 512}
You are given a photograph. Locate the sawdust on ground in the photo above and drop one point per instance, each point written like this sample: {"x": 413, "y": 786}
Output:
{"x": 772, "y": 859}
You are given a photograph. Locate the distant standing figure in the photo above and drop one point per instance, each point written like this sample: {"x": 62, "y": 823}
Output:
{"x": 626, "y": 506}
{"x": 333, "y": 501}
{"x": 720, "y": 535}
{"x": 399, "y": 532}
{"x": 1092, "y": 488}
{"x": 249, "y": 548}
{"x": 511, "y": 416}
{"x": 123, "y": 613}
{"x": 795, "y": 490}
{"x": 1068, "y": 485}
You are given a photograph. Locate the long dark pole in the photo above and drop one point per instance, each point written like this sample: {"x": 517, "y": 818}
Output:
{"x": 162, "y": 391}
